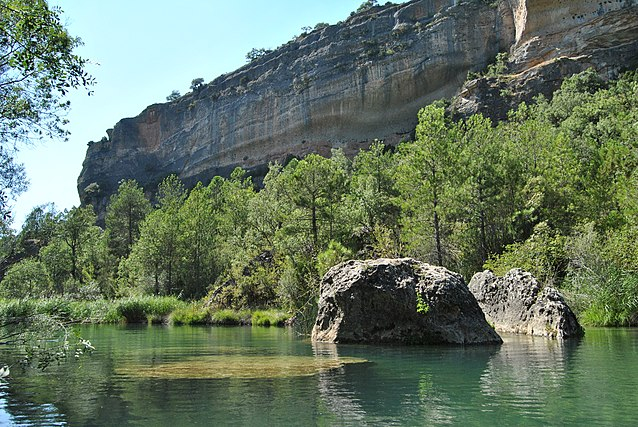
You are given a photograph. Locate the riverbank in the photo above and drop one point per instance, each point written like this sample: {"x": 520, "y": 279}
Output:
{"x": 145, "y": 309}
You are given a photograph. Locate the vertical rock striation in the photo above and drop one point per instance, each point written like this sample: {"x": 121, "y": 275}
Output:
{"x": 341, "y": 86}
{"x": 350, "y": 83}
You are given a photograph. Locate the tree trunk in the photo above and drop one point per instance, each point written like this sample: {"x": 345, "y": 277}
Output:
{"x": 315, "y": 232}
{"x": 437, "y": 225}
{"x": 437, "y": 236}
{"x": 130, "y": 231}
{"x": 482, "y": 226}
{"x": 74, "y": 267}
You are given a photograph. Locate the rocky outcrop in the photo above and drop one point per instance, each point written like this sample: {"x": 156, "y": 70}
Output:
{"x": 363, "y": 79}
{"x": 398, "y": 301}
{"x": 340, "y": 86}
{"x": 516, "y": 303}
{"x": 552, "y": 41}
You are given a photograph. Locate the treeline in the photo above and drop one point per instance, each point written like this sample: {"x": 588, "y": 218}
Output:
{"x": 553, "y": 189}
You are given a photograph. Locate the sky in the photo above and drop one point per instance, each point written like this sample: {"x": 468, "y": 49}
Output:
{"x": 142, "y": 50}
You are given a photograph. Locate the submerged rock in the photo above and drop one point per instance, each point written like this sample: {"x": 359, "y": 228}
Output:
{"x": 400, "y": 301}
{"x": 517, "y": 303}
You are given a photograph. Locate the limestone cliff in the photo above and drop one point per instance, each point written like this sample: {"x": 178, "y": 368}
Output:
{"x": 553, "y": 40}
{"x": 350, "y": 83}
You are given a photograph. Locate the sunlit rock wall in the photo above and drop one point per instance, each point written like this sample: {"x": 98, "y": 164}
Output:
{"x": 342, "y": 86}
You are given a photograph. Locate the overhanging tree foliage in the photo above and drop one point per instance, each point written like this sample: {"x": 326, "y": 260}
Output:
{"x": 38, "y": 67}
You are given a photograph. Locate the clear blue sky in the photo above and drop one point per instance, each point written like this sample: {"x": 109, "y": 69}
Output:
{"x": 142, "y": 50}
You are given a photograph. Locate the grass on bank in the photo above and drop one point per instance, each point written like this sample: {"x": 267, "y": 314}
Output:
{"x": 196, "y": 314}
{"x": 146, "y": 309}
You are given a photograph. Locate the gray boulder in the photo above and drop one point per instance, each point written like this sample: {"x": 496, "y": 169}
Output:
{"x": 400, "y": 301}
{"x": 516, "y": 303}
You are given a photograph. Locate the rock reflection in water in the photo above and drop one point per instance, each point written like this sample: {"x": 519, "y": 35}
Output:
{"x": 336, "y": 393}
{"x": 524, "y": 372}
{"x": 432, "y": 384}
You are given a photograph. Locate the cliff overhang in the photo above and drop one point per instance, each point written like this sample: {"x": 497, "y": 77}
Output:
{"x": 347, "y": 84}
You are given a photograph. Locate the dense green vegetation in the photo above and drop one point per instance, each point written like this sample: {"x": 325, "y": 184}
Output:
{"x": 553, "y": 189}
{"x": 141, "y": 309}
{"x": 38, "y": 67}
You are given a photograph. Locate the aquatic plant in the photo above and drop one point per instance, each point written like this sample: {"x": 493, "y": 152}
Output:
{"x": 238, "y": 366}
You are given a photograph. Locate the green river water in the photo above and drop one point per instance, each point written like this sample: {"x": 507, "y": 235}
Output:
{"x": 184, "y": 376}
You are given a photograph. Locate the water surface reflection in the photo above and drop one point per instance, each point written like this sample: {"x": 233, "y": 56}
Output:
{"x": 428, "y": 384}
{"x": 526, "y": 372}
{"x": 529, "y": 381}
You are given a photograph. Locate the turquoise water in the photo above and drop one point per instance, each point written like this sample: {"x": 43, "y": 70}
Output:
{"x": 183, "y": 376}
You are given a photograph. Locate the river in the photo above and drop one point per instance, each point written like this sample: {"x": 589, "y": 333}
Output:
{"x": 184, "y": 376}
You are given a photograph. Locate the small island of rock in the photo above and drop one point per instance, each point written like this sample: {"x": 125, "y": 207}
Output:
{"x": 401, "y": 301}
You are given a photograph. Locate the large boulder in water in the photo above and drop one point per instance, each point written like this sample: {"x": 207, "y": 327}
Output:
{"x": 400, "y": 301}
{"x": 517, "y": 303}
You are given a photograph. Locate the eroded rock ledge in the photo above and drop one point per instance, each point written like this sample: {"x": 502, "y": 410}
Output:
{"x": 341, "y": 86}
{"x": 516, "y": 303}
{"x": 366, "y": 78}
{"x": 400, "y": 301}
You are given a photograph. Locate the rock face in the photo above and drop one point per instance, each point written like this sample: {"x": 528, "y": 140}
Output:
{"x": 516, "y": 303}
{"x": 554, "y": 40}
{"x": 398, "y": 301}
{"x": 364, "y": 79}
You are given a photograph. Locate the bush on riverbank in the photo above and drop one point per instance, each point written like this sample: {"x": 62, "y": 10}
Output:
{"x": 146, "y": 309}
{"x": 73, "y": 311}
{"x": 196, "y": 314}
{"x": 191, "y": 314}
{"x": 269, "y": 318}
{"x": 230, "y": 317}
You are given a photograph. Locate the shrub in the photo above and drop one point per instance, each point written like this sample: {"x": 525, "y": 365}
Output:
{"x": 366, "y": 5}
{"x": 246, "y": 285}
{"x": 255, "y": 54}
{"x": 26, "y": 279}
{"x": 543, "y": 255}
{"x": 269, "y": 318}
{"x": 174, "y": 96}
{"x": 131, "y": 311}
{"x": 422, "y": 307}
{"x": 10, "y": 309}
{"x": 332, "y": 256}
{"x": 197, "y": 84}
{"x": 89, "y": 311}
{"x": 60, "y": 308}
{"x": 227, "y": 317}
{"x": 192, "y": 314}
{"x": 499, "y": 66}
{"x": 601, "y": 290}
{"x": 142, "y": 309}
{"x": 606, "y": 298}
